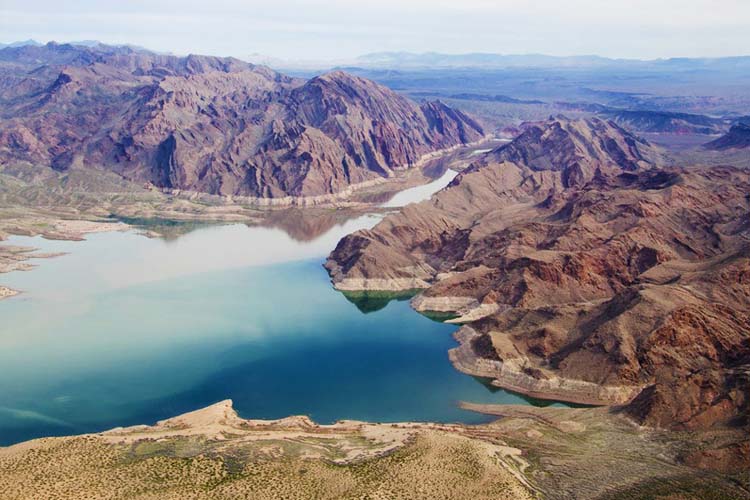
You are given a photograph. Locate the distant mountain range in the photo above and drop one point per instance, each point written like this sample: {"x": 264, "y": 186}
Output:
{"x": 482, "y": 60}
{"x": 34, "y": 43}
{"x": 434, "y": 60}
{"x": 478, "y": 60}
{"x": 21, "y": 43}
{"x": 738, "y": 137}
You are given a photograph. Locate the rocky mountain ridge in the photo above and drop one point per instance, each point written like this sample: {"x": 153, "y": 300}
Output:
{"x": 214, "y": 125}
{"x": 666, "y": 122}
{"x": 585, "y": 270}
{"x": 738, "y": 137}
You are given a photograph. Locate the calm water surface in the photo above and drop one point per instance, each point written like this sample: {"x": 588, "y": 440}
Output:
{"x": 126, "y": 330}
{"x": 418, "y": 193}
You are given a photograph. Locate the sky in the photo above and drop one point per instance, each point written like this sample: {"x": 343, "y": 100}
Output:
{"x": 339, "y": 29}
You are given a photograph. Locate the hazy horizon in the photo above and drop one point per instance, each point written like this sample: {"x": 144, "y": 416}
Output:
{"x": 326, "y": 30}
{"x": 341, "y": 60}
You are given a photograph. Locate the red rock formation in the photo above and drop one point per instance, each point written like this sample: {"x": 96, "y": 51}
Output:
{"x": 606, "y": 269}
{"x": 214, "y": 125}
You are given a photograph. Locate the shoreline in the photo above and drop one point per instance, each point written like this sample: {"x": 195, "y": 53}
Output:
{"x": 14, "y": 258}
{"x": 526, "y": 452}
{"x": 64, "y": 224}
{"x": 224, "y": 454}
{"x": 466, "y": 309}
{"x": 511, "y": 375}
{"x": 339, "y": 199}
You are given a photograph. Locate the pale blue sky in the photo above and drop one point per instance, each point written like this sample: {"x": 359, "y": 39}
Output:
{"x": 339, "y": 29}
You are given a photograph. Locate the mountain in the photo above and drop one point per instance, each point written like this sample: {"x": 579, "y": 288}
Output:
{"x": 435, "y": 60}
{"x": 738, "y": 137}
{"x": 214, "y": 125}
{"x": 666, "y": 121}
{"x": 475, "y": 60}
{"x": 585, "y": 270}
{"x": 493, "y": 98}
{"x": 20, "y": 43}
{"x": 652, "y": 121}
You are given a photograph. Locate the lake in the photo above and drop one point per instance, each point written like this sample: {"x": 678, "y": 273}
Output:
{"x": 126, "y": 329}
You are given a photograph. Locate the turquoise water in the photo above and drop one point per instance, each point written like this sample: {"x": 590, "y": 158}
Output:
{"x": 126, "y": 330}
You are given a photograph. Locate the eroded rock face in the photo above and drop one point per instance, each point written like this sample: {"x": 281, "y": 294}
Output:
{"x": 210, "y": 124}
{"x": 604, "y": 266}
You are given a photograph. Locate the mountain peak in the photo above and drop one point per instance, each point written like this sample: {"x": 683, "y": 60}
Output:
{"x": 580, "y": 149}
{"x": 346, "y": 82}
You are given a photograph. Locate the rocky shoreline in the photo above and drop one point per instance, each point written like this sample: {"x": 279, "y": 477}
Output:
{"x": 595, "y": 269}
{"x": 466, "y": 309}
{"x": 64, "y": 225}
{"x": 376, "y": 284}
{"x": 509, "y": 374}
{"x": 512, "y": 375}
{"x": 341, "y": 198}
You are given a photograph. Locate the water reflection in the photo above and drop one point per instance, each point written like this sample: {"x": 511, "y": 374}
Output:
{"x": 125, "y": 329}
{"x": 137, "y": 260}
{"x": 371, "y": 300}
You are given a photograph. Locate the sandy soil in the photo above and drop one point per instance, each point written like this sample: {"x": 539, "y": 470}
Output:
{"x": 74, "y": 229}
{"x": 529, "y": 453}
{"x": 212, "y": 453}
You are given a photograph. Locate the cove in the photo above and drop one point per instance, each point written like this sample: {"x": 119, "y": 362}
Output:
{"x": 126, "y": 330}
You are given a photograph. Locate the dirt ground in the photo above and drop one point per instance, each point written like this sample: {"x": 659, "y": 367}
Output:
{"x": 527, "y": 453}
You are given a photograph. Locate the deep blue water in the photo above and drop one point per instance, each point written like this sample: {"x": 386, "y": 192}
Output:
{"x": 128, "y": 330}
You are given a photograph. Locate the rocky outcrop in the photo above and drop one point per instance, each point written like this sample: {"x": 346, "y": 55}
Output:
{"x": 466, "y": 309}
{"x": 477, "y": 356}
{"x": 213, "y": 125}
{"x": 606, "y": 270}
